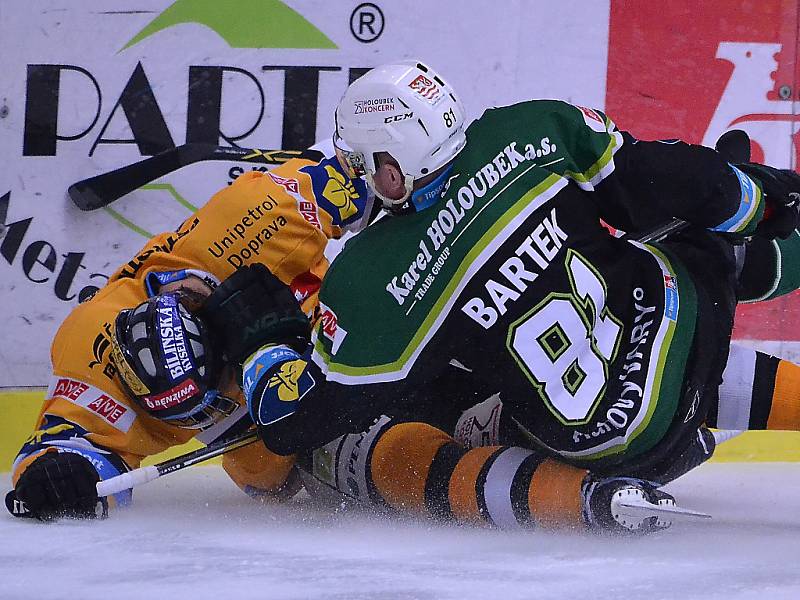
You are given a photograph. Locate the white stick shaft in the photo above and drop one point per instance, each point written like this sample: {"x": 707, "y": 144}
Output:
{"x": 126, "y": 481}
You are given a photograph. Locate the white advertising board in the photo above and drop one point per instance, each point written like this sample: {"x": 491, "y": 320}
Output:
{"x": 89, "y": 86}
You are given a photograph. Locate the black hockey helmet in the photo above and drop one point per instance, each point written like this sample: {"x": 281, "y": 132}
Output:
{"x": 166, "y": 363}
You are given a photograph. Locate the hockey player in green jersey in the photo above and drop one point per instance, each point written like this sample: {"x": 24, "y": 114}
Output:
{"x": 494, "y": 276}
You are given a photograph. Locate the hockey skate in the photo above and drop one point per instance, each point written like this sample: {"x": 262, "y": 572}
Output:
{"x": 628, "y": 505}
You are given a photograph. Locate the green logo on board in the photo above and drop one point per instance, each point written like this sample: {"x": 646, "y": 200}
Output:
{"x": 242, "y": 24}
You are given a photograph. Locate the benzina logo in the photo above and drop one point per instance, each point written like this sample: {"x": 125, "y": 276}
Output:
{"x": 176, "y": 395}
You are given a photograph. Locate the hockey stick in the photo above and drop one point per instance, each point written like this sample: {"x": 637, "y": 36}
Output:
{"x": 660, "y": 232}
{"x": 101, "y": 190}
{"x": 136, "y": 477}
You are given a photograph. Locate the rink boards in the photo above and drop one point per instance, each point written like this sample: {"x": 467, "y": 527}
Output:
{"x": 20, "y": 408}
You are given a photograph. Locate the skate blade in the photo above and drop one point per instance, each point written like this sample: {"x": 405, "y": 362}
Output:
{"x": 723, "y": 435}
{"x": 643, "y": 509}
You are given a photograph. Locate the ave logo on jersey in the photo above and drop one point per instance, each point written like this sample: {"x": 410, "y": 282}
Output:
{"x": 103, "y": 405}
{"x": 108, "y": 408}
{"x": 329, "y": 325}
{"x": 290, "y": 185}
{"x": 305, "y": 207}
{"x": 92, "y": 399}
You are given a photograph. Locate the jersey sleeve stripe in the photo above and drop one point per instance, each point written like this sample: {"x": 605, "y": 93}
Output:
{"x": 601, "y": 169}
{"x": 749, "y": 209}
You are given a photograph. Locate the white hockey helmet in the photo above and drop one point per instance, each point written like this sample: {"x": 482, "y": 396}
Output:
{"x": 405, "y": 109}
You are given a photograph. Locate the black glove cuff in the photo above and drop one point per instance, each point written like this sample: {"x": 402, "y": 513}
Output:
{"x": 781, "y": 189}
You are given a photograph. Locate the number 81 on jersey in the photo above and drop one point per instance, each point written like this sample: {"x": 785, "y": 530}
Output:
{"x": 565, "y": 344}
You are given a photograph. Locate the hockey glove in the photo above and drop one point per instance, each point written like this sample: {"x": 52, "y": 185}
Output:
{"x": 58, "y": 485}
{"x": 602, "y": 511}
{"x": 253, "y": 308}
{"x": 781, "y": 189}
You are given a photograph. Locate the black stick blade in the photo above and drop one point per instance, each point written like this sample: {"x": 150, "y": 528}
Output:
{"x": 101, "y": 190}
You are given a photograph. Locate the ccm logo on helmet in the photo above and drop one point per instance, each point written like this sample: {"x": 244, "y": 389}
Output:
{"x": 396, "y": 118}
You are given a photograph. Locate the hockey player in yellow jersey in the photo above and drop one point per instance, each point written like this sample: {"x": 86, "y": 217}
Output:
{"x": 90, "y": 427}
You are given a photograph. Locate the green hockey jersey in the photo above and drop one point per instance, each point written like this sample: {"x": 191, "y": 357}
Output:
{"x": 511, "y": 276}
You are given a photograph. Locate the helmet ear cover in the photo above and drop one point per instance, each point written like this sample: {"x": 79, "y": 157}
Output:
{"x": 406, "y": 110}
{"x": 166, "y": 363}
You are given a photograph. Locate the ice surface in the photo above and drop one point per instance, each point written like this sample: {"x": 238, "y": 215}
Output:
{"x": 193, "y": 535}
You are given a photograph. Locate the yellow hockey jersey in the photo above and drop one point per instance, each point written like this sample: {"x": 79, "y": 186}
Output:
{"x": 282, "y": 219}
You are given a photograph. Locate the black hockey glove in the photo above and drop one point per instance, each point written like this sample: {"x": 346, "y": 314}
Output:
{"x": 782, "y": 196}
{"x": 252, "y": 308}
{"x": 58, "y": 485}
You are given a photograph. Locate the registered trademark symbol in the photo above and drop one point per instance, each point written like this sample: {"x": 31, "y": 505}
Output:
{"x": 367, "y": 22}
